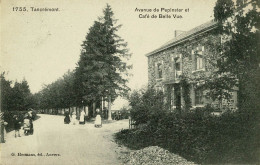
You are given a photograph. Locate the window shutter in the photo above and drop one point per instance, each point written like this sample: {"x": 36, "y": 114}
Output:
{"x": 172, "y": 67}
{"x": 156, "y": 70}
{"x": 203, "y": 59}
{"x": 162, "y": 70}
{"x": 181, "y": 62}
{"x": 193, "y": 60}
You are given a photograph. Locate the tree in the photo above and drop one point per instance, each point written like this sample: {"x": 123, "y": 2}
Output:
{"x": 234, "y": 55}
{"x": 239, "y": 25}
{"x": 102, "y": 69}
{"x": 21, "y": 96}
{"x": 59, "y": 94}
{"x": 14, "y": 98}
{"x": 5, "y": 93}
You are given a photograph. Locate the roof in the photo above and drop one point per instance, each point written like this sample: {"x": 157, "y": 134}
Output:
{"x": 185, "y": 35}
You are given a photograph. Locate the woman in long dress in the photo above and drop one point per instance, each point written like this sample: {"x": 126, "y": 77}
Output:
{"x": 82, "y": 117}
{"x": 67, "y": 117}
{"x": 98, "y": 120}
{"x": 74, "y": 118}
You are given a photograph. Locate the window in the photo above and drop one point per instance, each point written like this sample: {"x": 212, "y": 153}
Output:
{"x": 177, "y": 67}
{"x": 198, "y": 97}
{"x": 198, "y": 58}
{"x": 199, "y": 63}
{"x": 159, "y": 68}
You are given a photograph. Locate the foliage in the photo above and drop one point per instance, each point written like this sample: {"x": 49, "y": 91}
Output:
{"x": 198, "y": 135}
{"x": 6, "y": 92}
{"x": 102, "y": 71}
{"x": 9, "y": 118}
{"x": 16, "y": 98}
{"x": 239, "y": 27}
{"x": 234, "y": 55}
{"x": 59, "y": 94}
{"x": 147, "y": 106}
{"x": 186, "y": 94}
{"x": 202, "y": 138}
{"x": 223, "y": 9}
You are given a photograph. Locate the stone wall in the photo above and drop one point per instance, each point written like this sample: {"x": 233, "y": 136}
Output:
{"x": 185, "y": 52}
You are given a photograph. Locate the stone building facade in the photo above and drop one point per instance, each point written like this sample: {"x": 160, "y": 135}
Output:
{"x": 186, "y": 55}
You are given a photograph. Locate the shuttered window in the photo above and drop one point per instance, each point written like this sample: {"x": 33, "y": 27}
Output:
{"x": 198, "y": 60}
{"x": 159, "y": 68}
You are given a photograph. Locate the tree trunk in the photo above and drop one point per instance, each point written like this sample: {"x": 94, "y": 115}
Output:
{"x": 109, "y": 108}
{"x": 94, "y": 108}
{"x": 104, "y": 105}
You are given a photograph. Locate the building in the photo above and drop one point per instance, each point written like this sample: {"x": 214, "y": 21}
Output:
{"x": 186, "y": 54}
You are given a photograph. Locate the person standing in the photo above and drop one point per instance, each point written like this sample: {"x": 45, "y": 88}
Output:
{"x": 74, "y": 118}
{"x": 98, "y": 120}
{"x": 82, "y": 117}
{"x": 17, "y": 126}
{"x": 31, "y": 122}
{"x": 67, "y": 117}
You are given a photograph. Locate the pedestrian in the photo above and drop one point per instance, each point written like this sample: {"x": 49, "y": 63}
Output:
{"x": 82, "y": 117}
{"x": 67, "y": 117}
{"x": 98, "y": 121}
{"x": 31, "y": 122}
{"x": 74, "y": 118}
{"x": 17, "y": 126}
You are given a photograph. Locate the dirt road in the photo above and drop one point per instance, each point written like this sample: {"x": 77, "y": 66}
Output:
{"x": 55, "y": 143}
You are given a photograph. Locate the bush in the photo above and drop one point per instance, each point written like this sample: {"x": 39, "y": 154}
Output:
{"x": 197, "y": 135}
{"x": 230, "y": 138}
{"x": 147, "y": 105}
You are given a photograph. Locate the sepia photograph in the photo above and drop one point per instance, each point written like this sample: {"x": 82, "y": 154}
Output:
{"x": 137, "y": 82}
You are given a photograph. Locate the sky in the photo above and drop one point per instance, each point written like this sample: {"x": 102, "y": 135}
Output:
{"x": 42, "y": 46}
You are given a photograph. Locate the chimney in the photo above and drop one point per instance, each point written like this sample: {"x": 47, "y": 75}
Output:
{"x": 178, "y": 32}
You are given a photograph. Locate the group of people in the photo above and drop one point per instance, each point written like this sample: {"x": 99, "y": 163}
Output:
{"x": 27, "y": 124}
{"x": 73, "y": 118}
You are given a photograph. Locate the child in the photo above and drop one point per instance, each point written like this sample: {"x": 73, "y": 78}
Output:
{"x": 17, "y": 126}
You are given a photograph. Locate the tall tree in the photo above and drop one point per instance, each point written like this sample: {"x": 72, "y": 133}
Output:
{"x": 115, "y": 49}
{"x": 21, "y": 96}
{"x": 102, "y": 69}
{"x": 239, "y": 25}
{"x": 234, "y": 54}
{"x": 5, "y": 93}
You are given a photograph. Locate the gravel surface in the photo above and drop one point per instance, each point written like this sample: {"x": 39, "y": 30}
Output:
{"x": 152, "y": 155}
